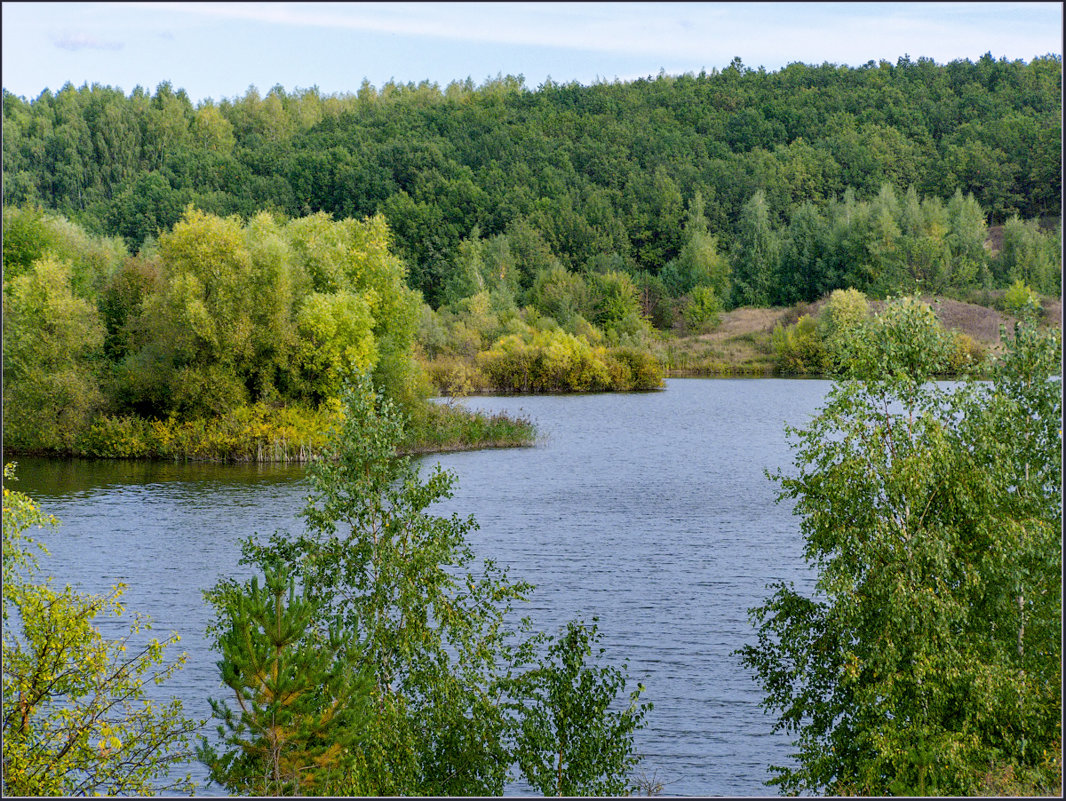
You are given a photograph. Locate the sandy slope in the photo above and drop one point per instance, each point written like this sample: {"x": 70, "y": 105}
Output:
{"x": 743, "y": 335}
{"x": 979, "y": 322}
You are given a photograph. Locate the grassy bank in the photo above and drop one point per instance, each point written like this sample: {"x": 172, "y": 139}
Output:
{"x": 440, "y": 427}
{"x": 742, "y": 343}
{"x": 262, "y": 433}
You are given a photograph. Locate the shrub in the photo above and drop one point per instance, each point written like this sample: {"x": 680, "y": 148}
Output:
{"x": 703, "y": 309}
{"x": 1019, "y": 296}
{"x": 555, "y": 361}
{"x": 966, "y": 354}
{"x": 798, "y": 348}
{"x": 643, "y": 370}
{"x": 455, "y": 376}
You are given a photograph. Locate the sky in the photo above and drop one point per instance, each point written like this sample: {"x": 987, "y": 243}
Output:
{"x": 218, "y": 50}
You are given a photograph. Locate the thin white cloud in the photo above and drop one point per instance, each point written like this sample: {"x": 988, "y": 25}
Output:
{"x": 84, "y": 41}
{"x": 686, "y": 31}
{"x": 584, "y": 26}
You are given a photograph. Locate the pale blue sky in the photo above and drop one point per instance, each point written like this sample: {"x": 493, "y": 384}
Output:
{"x": 218, "y": 50}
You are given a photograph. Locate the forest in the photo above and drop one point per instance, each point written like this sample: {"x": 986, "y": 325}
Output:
{"x": 225, "y": 257}
{"x": 596, "y": 178}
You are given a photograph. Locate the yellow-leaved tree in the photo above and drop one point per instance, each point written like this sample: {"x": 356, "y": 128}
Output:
{"x": 77, "y": 719}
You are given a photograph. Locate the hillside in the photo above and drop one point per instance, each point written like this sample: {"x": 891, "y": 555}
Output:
{"x": 600, "y": 177}
{"x": 740, "y": 344}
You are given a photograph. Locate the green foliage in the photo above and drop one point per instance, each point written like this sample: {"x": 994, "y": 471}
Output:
{"x": 438, "y": 427}
{"x": 615, "y": 304}
{"x": 336, "y": 333}
{"x": 302, "y": 703}
{"x": 181, "y": 352}
{"x": 798, "y": 348}
{"x": 656, "y": 305}
{"x": 77, "y": 720}
{"x": 397, "y": 579}
{"x": 121, "y": 303}
{"x": 928, "y": 657}
{"x": 756, "y": 253}
{"x": 27, "y": 238}
{"x": 255, "y": 433}
{"x": 1030, "y": 256}
{"x": 699, "y": 264}
{"x": 966, "y": 355}
{"x": 844, "y": 312}
{"x": 558, "y": 752}
{"x": 575, "y": 173}
{"x": 52, "y": 343}
{"x": 269, "y": 311}
{"x": 702, "y": 310}
{"x": 1018, "y": 297}
{"x": 905, "y": 346}
{"x": 905, "y": 342}
{"x": 560, "y": 294}
{"x": 391, "y": 592}
{"x": 555, "y": 361}
{"x": 31, "y": 235}
{"x": 883, "y": 178}
{"x": 20, "y": 558}
{"x": 484, "y": 342}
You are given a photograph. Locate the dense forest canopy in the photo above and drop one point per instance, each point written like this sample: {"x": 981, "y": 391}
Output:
{"x": 765, "y": 168}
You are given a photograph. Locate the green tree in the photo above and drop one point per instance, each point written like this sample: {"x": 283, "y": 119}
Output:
{"x": 699, "y": 263}
{"x": 1031, "y": 256}
{"x": 468, "y": 275}
{"x": 655, "y": 300}
{"x": 559, "y": 294}
{"x": 799, "y": 348}
{"x": 211, "y": 131}
{"x": 145, "y": 208}
{"x": 756, "y": 252}
{"x": 335, "y": 335}
{"x": 928, "y": 657}
{"x": 905, "y": 344}
{"x": 804, "y": 274}
{"x": 52, "y": 344}
{"x": 302, "y": 705}
{"x": 558, "y": 752}
{"x": 427, "y": 625}
{"x": 967, "y": 232}
{"x": 844, "y": 313}
{"x": 615, "y": 304}
{"x": 702, "y": 309}
{"x": 27, "y": 237}
{"x": 399, "y": 580}
{"x": 357, "y": 256}
{"x": 77, "y": 718}
{"x": 209, "y": 298}
{"x": 884, "y": 272}
{"x": 1018, "y": 296}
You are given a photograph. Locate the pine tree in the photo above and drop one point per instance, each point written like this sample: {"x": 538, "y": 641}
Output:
{"x": 301, "y": 702}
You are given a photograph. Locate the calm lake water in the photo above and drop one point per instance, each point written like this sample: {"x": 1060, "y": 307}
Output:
{"x": 650, "y": 511}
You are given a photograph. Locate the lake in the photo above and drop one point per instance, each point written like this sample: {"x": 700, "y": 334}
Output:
{"x": 650, "y": 511}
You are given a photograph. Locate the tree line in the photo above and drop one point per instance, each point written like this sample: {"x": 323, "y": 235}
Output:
{"x": 600, "y": 177}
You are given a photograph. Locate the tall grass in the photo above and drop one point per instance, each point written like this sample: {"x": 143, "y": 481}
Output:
{"x": 437, "y": 427}
{"x": 292, "y": 434}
